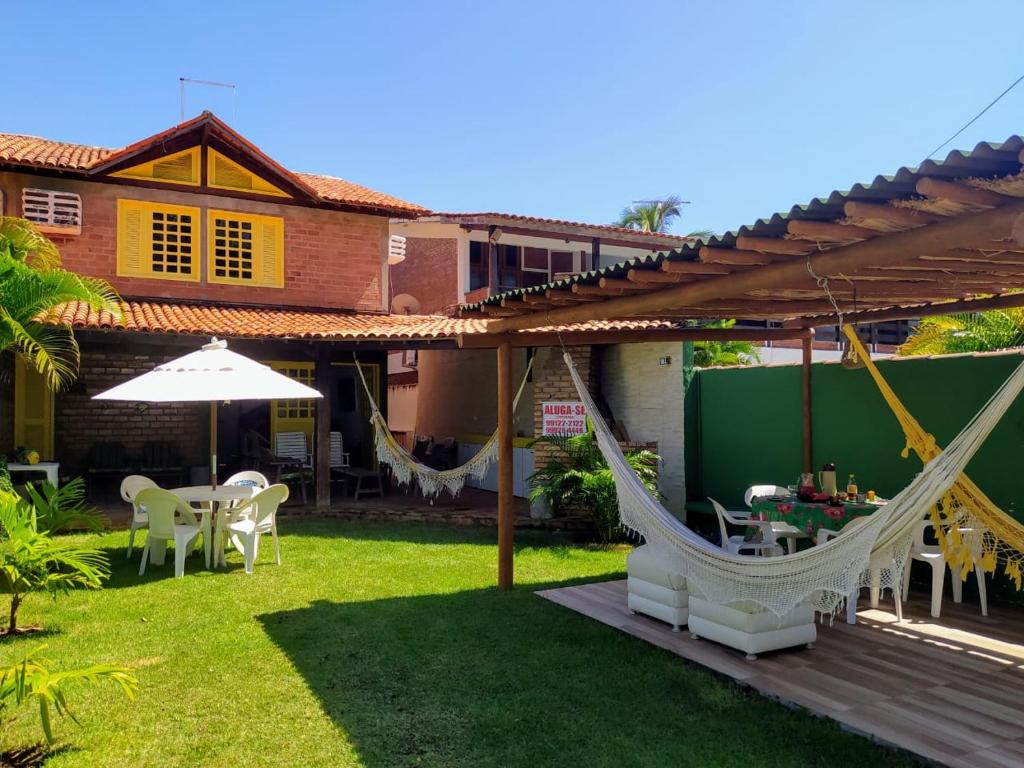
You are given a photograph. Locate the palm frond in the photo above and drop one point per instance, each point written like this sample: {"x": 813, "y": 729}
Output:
{"x": 24, "y": 242}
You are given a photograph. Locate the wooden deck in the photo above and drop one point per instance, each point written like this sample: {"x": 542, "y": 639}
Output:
{"x": 949, "y": 690}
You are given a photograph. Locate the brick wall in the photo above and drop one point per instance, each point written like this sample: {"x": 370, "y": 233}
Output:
{"x": 551, "y": 381}
{"x": 429, "y": 272}
{"x": 332, "y": 258}
{"x": 80, "y": 422}
{"x": 646, "y": 398}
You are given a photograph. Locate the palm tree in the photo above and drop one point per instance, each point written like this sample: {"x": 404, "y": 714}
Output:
{"x": 652, "y": 215}
{"x": 966, "y": 332}
{"x": 710, "y": 354}
{"x": 32, "y": 287}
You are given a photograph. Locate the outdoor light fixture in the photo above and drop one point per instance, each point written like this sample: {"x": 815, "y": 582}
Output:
{"x": 665, "y": 361}
{"x": 494, "y": 235}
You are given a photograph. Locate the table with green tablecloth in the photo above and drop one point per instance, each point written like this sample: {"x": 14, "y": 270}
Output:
{"x": 809, "y": 516}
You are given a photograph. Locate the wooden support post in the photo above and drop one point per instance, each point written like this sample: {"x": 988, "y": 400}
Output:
{"x": 213, "y": 444}
{"x": 322, "y": 451}
{"x": 492, "y": 261}
{"x": 808, "y": 352}
{"x": 506, "y": 516}
{"x": 595, "y": 254}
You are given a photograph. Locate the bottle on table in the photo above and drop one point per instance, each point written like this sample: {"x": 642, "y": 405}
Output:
{"x": 851, "y": 488}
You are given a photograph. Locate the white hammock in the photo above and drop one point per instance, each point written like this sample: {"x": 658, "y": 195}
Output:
{"x": 432, "y": 481}
{"x": 822, "y": 575}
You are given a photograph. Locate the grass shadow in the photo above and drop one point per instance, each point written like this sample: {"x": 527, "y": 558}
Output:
{"x": 484, "y": 678}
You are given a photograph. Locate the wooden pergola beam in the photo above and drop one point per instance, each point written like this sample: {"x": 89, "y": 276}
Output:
{"x": 903, "y": 217}
{"x": 627, "y": 336}
{"x": 877, "y": 252}
{"x": 656, "y": 276}
{"x": 829, "y": 231}
{"x": 618, "y": 284}
{"x": 960, "y": 193}
{"x": 739, "y": 256}
{"x": 1006, "y": 301}
{"x": 775, "y": 245}
{"x": 694, "y": 268}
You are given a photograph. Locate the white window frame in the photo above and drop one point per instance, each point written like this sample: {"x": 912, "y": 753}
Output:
{"x": 53, "y": 211}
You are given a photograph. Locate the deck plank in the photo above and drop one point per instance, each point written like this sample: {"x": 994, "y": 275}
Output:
{"x": 949, "y": 690}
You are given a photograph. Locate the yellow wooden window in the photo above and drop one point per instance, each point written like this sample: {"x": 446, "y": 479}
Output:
{"x": 157, "y": 240}
{"x": 222, "y": 173}
{"x": 294, "y": 415}
{"x": 179, "y": 168}
{"x": 245, "y": 248}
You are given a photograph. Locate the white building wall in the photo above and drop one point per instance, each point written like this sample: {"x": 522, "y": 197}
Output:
{"x": 647, "y": 399}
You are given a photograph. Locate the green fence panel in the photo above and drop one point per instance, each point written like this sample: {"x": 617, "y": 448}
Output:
{"x": 750, "y": 424}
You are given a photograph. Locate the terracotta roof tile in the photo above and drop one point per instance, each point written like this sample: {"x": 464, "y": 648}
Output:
{"x": 341, "y": 191}
{"x": 17, "y": 149}
{"x": 32, "y": 150}
{"x": 144, "y": 316}
{"x": 258, "y": 322}
{"x": 515, "y": 217}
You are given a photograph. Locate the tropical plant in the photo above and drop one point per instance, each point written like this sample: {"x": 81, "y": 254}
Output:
{"x": 31, "y": 560}
{"x": 32, "y": 287}
{"x": 966, "y": 332}
{"x": 31, "y": 678}
{"x": 652, "y": 215}
{"x": 64, "y": 508}
{"x": 709, "y": 354}
{"x": 579, "y": 475}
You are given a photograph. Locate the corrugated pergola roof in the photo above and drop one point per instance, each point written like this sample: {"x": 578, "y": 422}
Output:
{"x": 942, "y": 232}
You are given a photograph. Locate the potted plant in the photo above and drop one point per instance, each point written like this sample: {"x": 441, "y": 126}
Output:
{"x": 579, "y": 476}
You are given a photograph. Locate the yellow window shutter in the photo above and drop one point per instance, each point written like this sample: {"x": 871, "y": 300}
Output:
{"x": 130, "y": 239}
{"x": 224, "y": 173}
{"x": 178, "y": 168}
{"x": 271, "y": 251}
{"x": 245, "y": 249}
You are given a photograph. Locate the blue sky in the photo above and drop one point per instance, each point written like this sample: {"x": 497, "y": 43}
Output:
{"x": 562, "y": 109}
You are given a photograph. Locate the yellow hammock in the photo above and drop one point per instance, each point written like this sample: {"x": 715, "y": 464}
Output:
{"x": 964, "y": 507}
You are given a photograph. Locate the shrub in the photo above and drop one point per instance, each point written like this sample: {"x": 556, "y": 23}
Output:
{"x": 31, "y": 560}
{"x": 580, "y": 475}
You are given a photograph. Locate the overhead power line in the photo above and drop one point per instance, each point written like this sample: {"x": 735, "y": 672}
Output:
{"x": 974, "y": 119}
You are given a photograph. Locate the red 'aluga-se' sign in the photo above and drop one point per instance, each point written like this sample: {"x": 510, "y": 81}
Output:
{"x": 563, "y": 418}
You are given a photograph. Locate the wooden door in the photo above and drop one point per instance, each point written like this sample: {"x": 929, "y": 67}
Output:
{"x": 293, "y": 415}
{"x": 33, "y": 411}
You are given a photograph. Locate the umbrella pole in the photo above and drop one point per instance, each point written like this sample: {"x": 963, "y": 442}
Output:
{"x": 213, "y": 443}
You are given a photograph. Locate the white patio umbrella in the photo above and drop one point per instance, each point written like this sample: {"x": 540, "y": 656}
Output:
{"x": 213, "y": 374}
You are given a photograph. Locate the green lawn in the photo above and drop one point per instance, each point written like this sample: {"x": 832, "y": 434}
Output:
{"x": 386, "y": 645}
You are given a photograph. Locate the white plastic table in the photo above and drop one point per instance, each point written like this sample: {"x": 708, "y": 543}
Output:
{"x": 206, "y": 495}
{"x": 49, "y": 467}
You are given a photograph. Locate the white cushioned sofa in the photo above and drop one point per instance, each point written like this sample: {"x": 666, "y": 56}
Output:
{"x": 654, "y": 590}
{"x": 748, "y": 627}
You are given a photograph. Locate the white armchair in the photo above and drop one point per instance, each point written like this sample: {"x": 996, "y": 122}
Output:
{"x": 130, "y": 488}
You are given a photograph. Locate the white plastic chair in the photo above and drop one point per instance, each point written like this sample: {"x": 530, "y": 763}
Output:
{"x": 246, "y": 522}
{"x": 738, "y": 544}
{"x": 932, "y": 554}
{"x": 338, "y": 456}
{"x": 249, "y": 477}
{"x": 878, "y": 562}
{"x": 780, "y": 529}
{"x": 292, "y": 445}
{"x": 973, "y": 539}
{"x": 760, "y": 491}
{"x": 171, "y": 519}
{"x": 130, "y": 487}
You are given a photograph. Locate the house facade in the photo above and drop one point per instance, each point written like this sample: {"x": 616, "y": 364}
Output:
{"x": 203, "y": 234}
{"x": 455, "y": 258}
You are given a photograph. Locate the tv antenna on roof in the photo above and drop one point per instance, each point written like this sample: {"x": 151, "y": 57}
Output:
{"x": 181, "y": 97}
